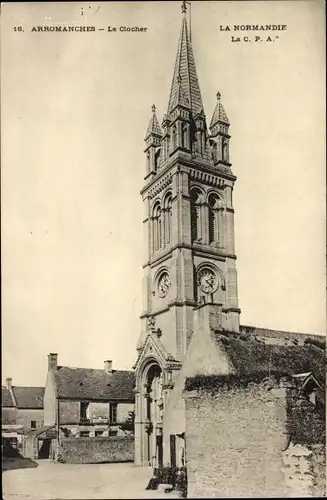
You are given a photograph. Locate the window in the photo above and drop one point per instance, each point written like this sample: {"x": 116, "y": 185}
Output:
{"x": 195, "y": 215}
{"x": 168, "y": 215}
{"x": 98, "y": 433}
{"x": 33, "y": 424}
{"x": 224, "y": 150}
{"x": 83, "y": 410}
{"x": 185, "y": 138}
{"x": 84, "y": 434}
{"x": 173, "y": 139}
{"x": 214, "y": 204}
{"x": 113, "y": 432}
{"x": 113, "y": 413}
{"x": 156, "y": 229}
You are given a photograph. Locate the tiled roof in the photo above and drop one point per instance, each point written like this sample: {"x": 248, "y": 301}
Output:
{"x": 185, "y": 82}
{"x": 153, "y": 127}
{"x": 249, "y": 356}
{"x": 88, "y": 383}
{"x": 29, "y": 397}
{"x": 6, "y": 400}
{"x": 219, "y": 114}
{"x": 49, "y": 431}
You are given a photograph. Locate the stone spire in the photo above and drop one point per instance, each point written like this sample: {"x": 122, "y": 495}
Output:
{"x": 153, "y": 127}
{"x": 219, "y": 114}
{"x": 185, "y": 90}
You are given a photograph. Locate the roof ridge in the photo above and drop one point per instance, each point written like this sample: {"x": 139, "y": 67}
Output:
{"x": 95, "y": 369}
{"x": 281, "y": 331}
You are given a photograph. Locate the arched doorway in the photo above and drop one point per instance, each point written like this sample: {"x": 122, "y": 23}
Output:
{"x": 153, "y": 414}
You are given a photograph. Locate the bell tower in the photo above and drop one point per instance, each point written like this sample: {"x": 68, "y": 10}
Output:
{"x": 189, "y": 252}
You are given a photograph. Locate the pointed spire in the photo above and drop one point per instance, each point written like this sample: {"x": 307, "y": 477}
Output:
{"x": 185, "y": 84}
{"x": 219, "y": 114}
{"x": 153, "y": 127}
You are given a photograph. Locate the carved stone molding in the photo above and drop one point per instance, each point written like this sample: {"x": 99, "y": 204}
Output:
{"x": 210, "y": 179}
{"x": 161, "y": 185}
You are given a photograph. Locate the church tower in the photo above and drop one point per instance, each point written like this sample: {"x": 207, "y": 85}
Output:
{"x": 189, "y": 248}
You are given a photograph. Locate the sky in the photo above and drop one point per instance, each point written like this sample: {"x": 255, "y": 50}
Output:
{"x": 74, "y": 111}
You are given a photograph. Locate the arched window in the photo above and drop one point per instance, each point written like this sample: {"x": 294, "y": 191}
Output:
{"x": 168, "y": 216}
{"x": 156, "y": 227}
{"x": 224, "y": 150}
{"x": 214, "y": 205}
{"x": 214, "y": 153}
{"x": 148, "y": 161}
{"x": 185, "y": 139}
{"x": 195, "y": 214}
{"x": 173, "y": 138}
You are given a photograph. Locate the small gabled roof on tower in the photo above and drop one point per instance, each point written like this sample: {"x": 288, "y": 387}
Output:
{"x": 185, "y": 88}
{"x": 219, "y": 114}
{"x": 179, "y": 97}
{"x": 153, "y": 127}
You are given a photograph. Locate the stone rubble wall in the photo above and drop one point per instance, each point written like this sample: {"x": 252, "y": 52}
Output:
{"x": 97, "y": 450}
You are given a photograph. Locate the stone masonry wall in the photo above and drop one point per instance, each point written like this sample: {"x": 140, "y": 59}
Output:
{"x": 234, "y": 441}
{"x": 305, "y": 458}
{"x": 97, "y": 450}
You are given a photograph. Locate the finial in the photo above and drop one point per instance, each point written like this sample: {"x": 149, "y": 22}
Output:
{"x": 153, "y": 107}
{"x": 218, "y": 95}
{"x": 184, "y": 7}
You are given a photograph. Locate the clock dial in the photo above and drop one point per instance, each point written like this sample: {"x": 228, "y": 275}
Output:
{"x": 164, "y": 284}
{"x": 207, "y": 280}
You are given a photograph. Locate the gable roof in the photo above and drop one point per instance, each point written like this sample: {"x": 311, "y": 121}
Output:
{"x": 250, "y": 356}
{"x": 94, "y": 384}
{"x": 29, "y": 397}
{"x": 6, "y": 400}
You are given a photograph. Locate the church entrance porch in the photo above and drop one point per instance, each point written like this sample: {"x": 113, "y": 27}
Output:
{"x": 149, "y": 417}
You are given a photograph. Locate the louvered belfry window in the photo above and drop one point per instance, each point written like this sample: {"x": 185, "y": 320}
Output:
{"x": 195, "y": 215}
{"x": 168, "y": 215}
{"x": 156, "y": 228}
{"x": 214, "y": 204}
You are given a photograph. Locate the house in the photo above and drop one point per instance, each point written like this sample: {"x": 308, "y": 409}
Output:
{"x": 87, "y": 403}
{"x": 22, "y": 411}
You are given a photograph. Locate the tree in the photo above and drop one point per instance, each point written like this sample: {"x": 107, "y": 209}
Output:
{"x": 128, "y": 425}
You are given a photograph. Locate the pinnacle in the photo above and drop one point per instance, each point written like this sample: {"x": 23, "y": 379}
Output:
{"x": 153, "y": 127}
{"x": 219, "y": 114}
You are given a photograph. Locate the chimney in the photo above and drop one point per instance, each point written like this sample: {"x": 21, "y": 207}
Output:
{"x": 52, "y": 361}
{"x": 9, "y": 382}
{"x": 108, "y": 366}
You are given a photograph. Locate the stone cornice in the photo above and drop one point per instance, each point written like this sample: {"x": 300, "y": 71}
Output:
{"x": 183, "y": 159}
{"x": 203, "y": 250}
{"x": 174, "y": 303}
{"x": 231, "y": 309}
{"x": 207, "y": 178}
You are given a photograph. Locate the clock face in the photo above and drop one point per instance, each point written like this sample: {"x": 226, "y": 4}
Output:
{"x": 164, "y": 284}
{"x": 207, "y": 280}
